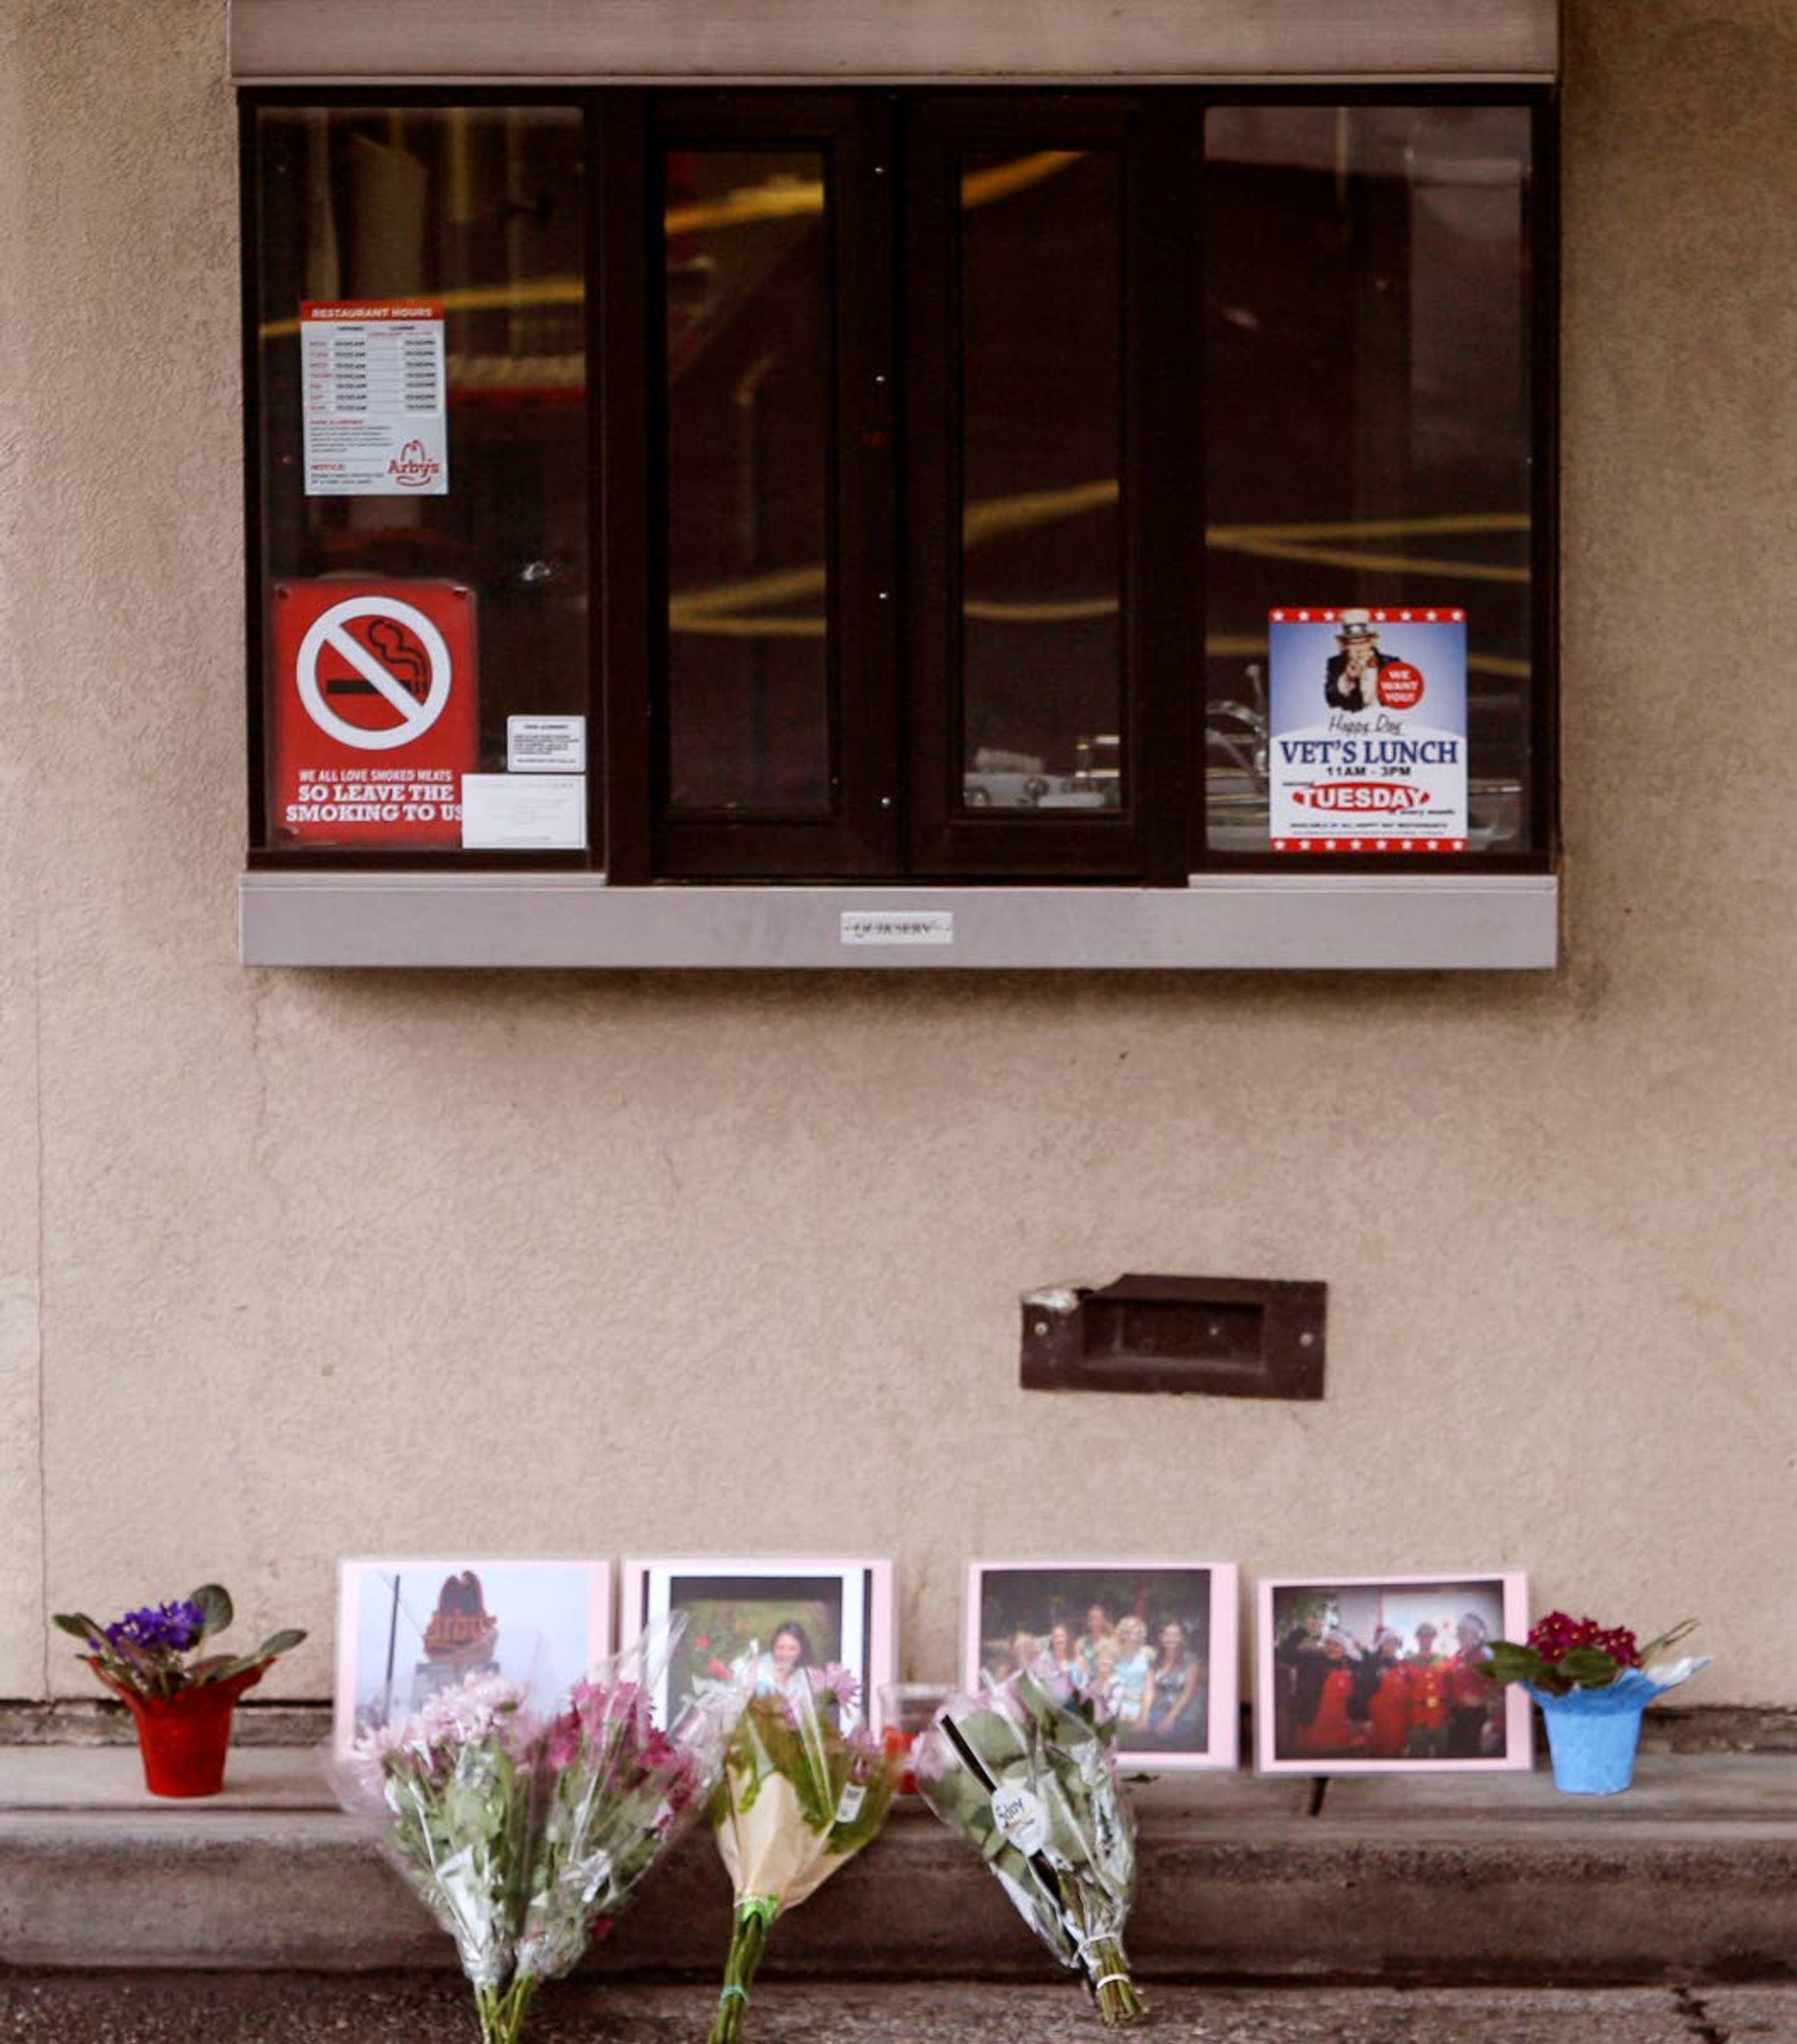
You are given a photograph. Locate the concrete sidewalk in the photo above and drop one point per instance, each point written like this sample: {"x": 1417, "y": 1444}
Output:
{"x": 173, "y": 2008}
{"x": 1691, "y": 1876}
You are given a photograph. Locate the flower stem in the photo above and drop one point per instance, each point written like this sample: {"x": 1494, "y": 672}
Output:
{"x": 502, "y": 2011}
{"x": 748, "y": 1940}
{"x": 1107, "y": 1971}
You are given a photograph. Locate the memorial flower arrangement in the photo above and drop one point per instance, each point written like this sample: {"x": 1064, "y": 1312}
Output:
{"x": 800, "y": 1797}
{"x": 1592, "y": 1683}
{"x": 1025, "y": 1772}
{"x": 523, "y": 1831}
{"x": 145, "y": 1653}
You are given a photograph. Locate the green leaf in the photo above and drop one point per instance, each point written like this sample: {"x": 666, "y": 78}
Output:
{"x": 222, "y": 1669}
{"x": 1508, "y": 1662}
{"x": 80, "y": 1624}
{"x": 1655, "y": 1648}
{"x": 214, "y": 1601}
{"x": 278, "y": 1642}
{"x": 1590, "y": 1668}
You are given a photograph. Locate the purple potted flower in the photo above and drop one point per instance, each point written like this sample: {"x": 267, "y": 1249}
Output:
{"x": 181, "y": 1698}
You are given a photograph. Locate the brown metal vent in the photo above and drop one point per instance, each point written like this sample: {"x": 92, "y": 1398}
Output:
{"x": 1232, "y": 1337}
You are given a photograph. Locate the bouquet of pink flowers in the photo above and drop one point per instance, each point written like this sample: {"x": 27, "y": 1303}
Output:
{"x": 525, "y": 1831}
{"x": 800, "y": 1797}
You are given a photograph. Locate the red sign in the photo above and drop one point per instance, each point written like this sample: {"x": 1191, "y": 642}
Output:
{"x": 1401, "y": 685}
{"x": 375, "y": 712}
{"x": 1362, "y": 795}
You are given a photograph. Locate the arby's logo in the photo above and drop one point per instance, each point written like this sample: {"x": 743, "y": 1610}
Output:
{"x": 414, "y": 467}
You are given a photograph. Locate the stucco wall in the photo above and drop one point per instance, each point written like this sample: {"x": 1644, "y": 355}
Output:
{"x": 313, "y": 1264}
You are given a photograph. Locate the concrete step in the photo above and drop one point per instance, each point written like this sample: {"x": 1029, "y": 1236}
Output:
{"x": 1691, "y": 1876}
{"x": 281, "y": 2008}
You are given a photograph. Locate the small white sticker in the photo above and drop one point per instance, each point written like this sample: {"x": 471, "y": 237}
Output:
{"x": 546, "y": 744}
{"x": 898, "y": 926}
{"x": 1018, "y": 1814}
{"x": 855, "y": 1794}
{"x": 524, "y": 812}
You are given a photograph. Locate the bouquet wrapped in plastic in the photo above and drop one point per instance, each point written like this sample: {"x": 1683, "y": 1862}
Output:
{"x": 1024, "y": 1771}
{"x": 800, "y": 1796}
{"x": 525, "y": 1826}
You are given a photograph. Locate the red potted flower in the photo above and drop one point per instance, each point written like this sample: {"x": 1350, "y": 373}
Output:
{"x": 1592, "y": 1683}
{"x": 182, "y": 1705}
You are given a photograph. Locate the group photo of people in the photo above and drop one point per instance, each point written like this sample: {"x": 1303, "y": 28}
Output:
{"x": 1386, "y": 1673}
{"x": 1139, "y": 1639}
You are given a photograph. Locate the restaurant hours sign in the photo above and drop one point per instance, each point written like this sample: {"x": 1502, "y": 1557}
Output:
{"x": 374, "y": 401}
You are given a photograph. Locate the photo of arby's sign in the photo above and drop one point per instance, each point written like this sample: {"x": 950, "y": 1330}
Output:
{"x": 1367, "y": 750}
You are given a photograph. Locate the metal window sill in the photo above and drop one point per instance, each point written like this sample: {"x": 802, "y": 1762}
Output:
{"x": 1240, "y": 922}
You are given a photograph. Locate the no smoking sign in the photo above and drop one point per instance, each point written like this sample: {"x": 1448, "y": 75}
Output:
{"x": 375, "y": 711}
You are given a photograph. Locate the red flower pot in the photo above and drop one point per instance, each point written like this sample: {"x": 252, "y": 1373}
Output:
{"x": 183, "y": 1738}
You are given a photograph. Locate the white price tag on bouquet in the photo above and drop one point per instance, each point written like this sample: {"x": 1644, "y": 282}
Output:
{"x": 1018, "y": 1814}
{"x": 855, "y": 1794}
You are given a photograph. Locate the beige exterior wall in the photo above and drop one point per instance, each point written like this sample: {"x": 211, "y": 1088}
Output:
{"x": 299, "y": 1265}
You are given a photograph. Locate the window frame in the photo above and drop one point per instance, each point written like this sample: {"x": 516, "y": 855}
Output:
{"x": 629, "y": 845}
{"x": 1145, "y": 842}
{"x": 859, "y": 837}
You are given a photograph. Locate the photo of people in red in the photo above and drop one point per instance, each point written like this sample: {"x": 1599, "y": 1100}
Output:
{"x": 1389, "y": 1673}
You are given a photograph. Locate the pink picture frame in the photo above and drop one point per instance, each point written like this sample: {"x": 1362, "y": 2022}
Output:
{"x": 1378, "y": 1674}
{"x": 407, "y": 1624}
{"x": 1194, "y": 1726}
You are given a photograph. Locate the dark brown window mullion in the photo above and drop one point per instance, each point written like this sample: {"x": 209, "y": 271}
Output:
{"x": 947, "y": 839}
{"x": 1542, "y": 343}
{"x": 857, "y": 834}
{"x": 618, "y": 240}
{"x": 1165, "y": 620}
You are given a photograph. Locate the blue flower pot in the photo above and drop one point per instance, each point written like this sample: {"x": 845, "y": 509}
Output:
{"x": 1592, "y": 1733}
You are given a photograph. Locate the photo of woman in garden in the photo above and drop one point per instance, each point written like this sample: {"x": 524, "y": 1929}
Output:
{"x": 777, "y": 1670}
{"x": 769, "y": 1627}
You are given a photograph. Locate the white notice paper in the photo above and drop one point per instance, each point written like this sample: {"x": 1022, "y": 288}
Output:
{"x": 898, "y": 926}
{"x": 546, "y": 744}
{"x": 524, "y": 812}
{"x": 374, "y": 401}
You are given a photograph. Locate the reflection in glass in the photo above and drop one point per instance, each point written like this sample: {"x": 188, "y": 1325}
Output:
{"x": 1040, "y": 347}
{"x": 1367, "y": 414}
{"x": 482, "y": 210}
{"x": 748, "y": 374}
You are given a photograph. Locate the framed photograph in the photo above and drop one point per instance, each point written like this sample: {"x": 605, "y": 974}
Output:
{"x": 770, "y": 1619}
{"x": 1156, "y": 1639}
{"x": 407, "y": 1628}
{"x": 1381, "y": 1674}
